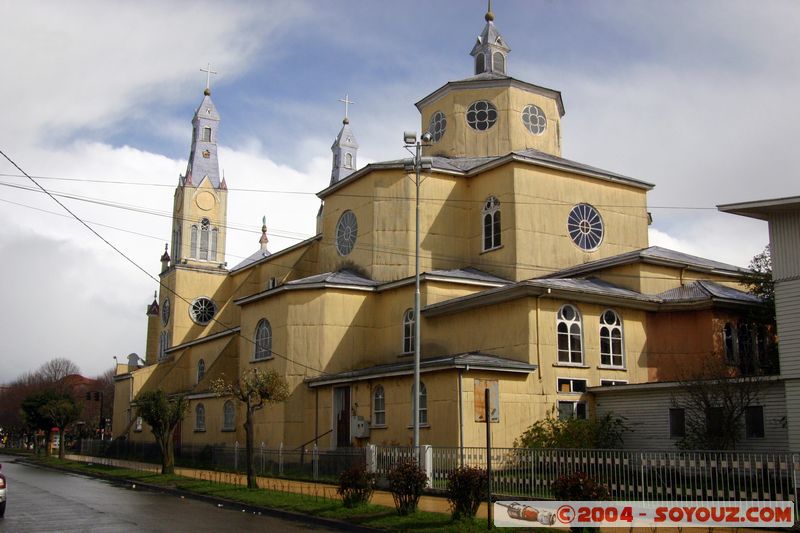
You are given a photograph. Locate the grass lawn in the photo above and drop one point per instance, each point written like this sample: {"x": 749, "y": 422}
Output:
{"x": 376, "y": 516}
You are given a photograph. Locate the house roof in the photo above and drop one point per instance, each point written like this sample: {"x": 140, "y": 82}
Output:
{"x": 761, "y": 209}
{"x": 471, "y": 360}
{"x": 651, "y": 255}
{"x": 655, "y": 385}
{"x": 704, "y": 290}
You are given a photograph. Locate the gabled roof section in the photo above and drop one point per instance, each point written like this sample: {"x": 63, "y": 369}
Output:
{"x": 260, "y": 257}
{"x": 652, "y": 255}
{"x": 470, "y": 274}
{"x": 343, "y": 277}
{"x": 470, "y": 360}
{"x": 707, "y": 290}
{"x": 255, "y": 257}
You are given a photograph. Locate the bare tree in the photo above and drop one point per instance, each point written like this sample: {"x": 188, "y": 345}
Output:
{"x": 714, "y": 401}
{"x": 55, "y": 370}
{"x": 255, "y": 388}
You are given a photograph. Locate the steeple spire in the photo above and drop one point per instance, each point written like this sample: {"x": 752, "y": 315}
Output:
{"x": 490, "y": 50}
{"x": 344, "y": 148}
{"x": 263, "y": 240}
{"x": 203, "y": 152}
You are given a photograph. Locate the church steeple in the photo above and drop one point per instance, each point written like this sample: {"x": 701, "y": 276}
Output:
{"x": 344, "y": 148}
{"x": 203, "y": 153}
{"x": 490, "y": 50}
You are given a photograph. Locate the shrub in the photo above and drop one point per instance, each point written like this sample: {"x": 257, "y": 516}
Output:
{"x": 406, "y": 483}
{"x": 578, "y": 486}
{"x": 356, "y": 486}
{"x": 553, "y": 432}
{"x": 466, "y": 486}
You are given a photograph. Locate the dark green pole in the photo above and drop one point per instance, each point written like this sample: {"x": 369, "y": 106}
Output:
{"x": 487, "y": 398}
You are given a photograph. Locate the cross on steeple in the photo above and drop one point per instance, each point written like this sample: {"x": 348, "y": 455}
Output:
{"x": 346, "y": 102}
{"x": 208, "y": 72}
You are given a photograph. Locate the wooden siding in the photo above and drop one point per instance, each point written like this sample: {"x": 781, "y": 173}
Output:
{"x": 787, "y": 308}
{"x": 784, "y": 238}
{"x": 647, "y": 411}
{"x": 793, "y": 413}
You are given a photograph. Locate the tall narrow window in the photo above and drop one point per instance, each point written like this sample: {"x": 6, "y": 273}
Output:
{"x": 212, "y": 252}
{"x": 204, "y": 228}
{"x": 754, "y": 422}
{"x": 193, "y": 243}
{"x": 207, "y": 134}
{"x": 408, "y": 331}
{"x": 729, "y": 340}
{"x": 480, "y": 63}
{"x": 263, "y": 340}
{"x": 163, "y": 345}
{"x": 378, "y": 407}
{"x": 499, "y": 63}
{"x": 199, "y": 418}
{"x": 423, "y": 403}
{"x": 201, "y": 370}
{"x": 611, "y": 339}
{"x": 348, "y": 160}
{"x": 228, "y": 416}
{"x": 677, "y": 423}
{"x": 570, "y": 349}
{"x": 491, "y": 223}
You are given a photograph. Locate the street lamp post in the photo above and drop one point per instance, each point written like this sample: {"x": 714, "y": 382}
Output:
{"x": 416, "y": 164}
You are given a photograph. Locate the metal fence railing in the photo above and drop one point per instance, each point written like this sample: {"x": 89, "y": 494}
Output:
{"x": 517, "y": 472}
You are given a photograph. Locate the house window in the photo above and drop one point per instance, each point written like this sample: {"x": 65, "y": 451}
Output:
{"x": 571, "y": 385}
{"x": 423, "y": 404}
{"x": 199, "y": 418}
{"x": 570, "y": 350}
{"x": 611, "y": 339}
{"x": 567, "y": 410}
{"x": 754, "y": 422}
{"x": 729, "y": 339}
{"x": 201, "y": 369}
{"x": 408, "y": 331}
{"x": 378, "y": 407}
{"x": 677, "y": 423}
{"x": 491, "y": 224}
{"x": 715, "y": 426}
{"x": 228, "y": 416}
{"x": 612, "y": 382}
{"x": 207, "y": 134}
{"x": 263, "y": 340}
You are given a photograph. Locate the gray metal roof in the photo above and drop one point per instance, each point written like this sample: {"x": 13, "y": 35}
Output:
{"x": 706, "y": 290}
{"x": 539, "y": 156}
{"x": 470, "y": 360}
{"x": 653, "y": 254}
{"x": 344, "y": 277}
{"x": 590, "y": 286}
{"x": 469, "y": 273}
{"x": 253, "y": 258}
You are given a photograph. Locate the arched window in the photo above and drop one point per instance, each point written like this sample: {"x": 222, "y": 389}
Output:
{"x": 611, "y": 339}
{"x": 212, "y": 252}
{"x": 163, "y": 345}
{"x": 228, "y": 416}
{"x": 570, "y": 348}
{"x": 423, "y": 403}
{"x": 729, "y": 340}
{"x": 205, "y": 225}
{"x": 207, "y": 134}
{"x": 348, "y": 160}
{"x": 491, "y": 223}
{"x": 408, "y": 331}
{"x": 199, "y": 418}
{"x": 499, "y": 61}
{"x": 263, "y": 340}
{"x": 378, "y": 406}
{"x": 193, "y": 242}
{"x": 201, "y": 369}
{"x": 480, "y": 64}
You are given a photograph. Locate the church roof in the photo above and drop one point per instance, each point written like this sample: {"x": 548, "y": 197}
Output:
{"x": 489, "y": 36}
{"x": 469, "y": 273}
{"x": 471, "y": 360}
{"x": 706, "y": 290}
{"x": 468, "y": 166}
{"x": 255, "y": 257}
{"x": 343, "y": 277}
{"x": 652, "y": 255}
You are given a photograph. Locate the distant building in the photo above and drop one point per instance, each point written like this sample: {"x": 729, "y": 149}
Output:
{"x": 537, "y": 276}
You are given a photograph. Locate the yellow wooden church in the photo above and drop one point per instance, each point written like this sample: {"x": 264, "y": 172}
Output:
{"x": 536, "y": 280}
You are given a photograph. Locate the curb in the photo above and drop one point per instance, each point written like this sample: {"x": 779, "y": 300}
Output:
{"x": 224, "y": 502}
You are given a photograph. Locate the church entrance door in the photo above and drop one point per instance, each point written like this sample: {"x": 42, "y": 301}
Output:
{"x": 341, "y": 410}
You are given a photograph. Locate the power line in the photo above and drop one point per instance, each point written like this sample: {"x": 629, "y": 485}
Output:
{"x": 140, "y": 268}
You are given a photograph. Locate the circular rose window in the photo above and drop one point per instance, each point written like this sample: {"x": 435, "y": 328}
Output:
{"x": 585, "y": 227}
{"x": 202, "y": 310}
{"x": 346, "y": 233}
{"x": 437, "y": 126}
{"x": 534, "y": 119}
{"x": 481, "y": 115}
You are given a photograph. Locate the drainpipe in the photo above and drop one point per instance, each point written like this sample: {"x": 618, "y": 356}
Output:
{"x": 538, "y": 339}
{"x": 460, "y": 416}
{"x": 316, "y": 415}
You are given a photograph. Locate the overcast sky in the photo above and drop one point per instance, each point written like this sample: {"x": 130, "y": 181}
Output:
{"x": 698, "y": 97}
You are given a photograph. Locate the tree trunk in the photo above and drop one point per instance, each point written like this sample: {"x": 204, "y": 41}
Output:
{"x": 251, "y": 460}
{"x": 167, "y": 453}
{"x": 47, "y": 440}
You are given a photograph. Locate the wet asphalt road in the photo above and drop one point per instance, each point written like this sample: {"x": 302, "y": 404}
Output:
{"x": 46, "y": 501}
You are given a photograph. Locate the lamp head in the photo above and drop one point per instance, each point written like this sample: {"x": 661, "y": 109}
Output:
{"x": 410, "y": 137}
{"x": 427, "y": 137}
